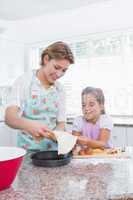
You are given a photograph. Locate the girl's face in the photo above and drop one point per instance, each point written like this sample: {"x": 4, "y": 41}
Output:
{"x": 54, "y": 69}
{"x": 91, "y": 107}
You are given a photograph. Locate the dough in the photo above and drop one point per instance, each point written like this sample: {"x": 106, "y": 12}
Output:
{"x": 97, "y": 151}
{"x": 65, "y": 140}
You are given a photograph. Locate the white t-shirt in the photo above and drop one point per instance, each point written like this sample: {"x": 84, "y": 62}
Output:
{"x": 20, "y": 91}
{"x": 105, "y": 121}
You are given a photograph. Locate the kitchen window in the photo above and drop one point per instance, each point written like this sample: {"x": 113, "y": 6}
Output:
{"x": 102, "y": 60}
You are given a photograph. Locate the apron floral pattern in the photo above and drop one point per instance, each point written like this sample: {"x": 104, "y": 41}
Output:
{"x": 42, "y": 105}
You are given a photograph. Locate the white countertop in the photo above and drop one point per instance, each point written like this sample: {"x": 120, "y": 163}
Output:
{"x": 123, "y": 121}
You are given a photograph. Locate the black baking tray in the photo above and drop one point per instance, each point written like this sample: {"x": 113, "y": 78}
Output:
{"x": 50, "y": 159}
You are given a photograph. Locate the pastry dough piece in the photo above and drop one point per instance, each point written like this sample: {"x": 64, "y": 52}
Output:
{"x": 98, "y": 151}
{"x": 66, "y": 141}
{"x": 113, "y": 151}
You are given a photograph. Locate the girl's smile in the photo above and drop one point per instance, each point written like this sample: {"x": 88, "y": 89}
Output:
{"x": 91, "y": 107}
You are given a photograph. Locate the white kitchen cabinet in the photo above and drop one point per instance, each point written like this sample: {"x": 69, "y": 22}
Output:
{"x": 122, "y": 136}
{"x": 7, "y": 135}
{"x": 129, "y": 132}
{"x": 119, "y": 137}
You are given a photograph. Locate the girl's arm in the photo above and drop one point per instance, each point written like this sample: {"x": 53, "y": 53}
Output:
{"x": 99, "y": 143}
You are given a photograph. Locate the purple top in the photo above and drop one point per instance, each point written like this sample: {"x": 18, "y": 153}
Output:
{"x": 90, "y": 130}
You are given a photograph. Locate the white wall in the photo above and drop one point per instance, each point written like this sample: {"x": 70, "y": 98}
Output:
{"x": 13, "y": 52}
{"x": 98, "y": 17}
{"x": 11, "y": 60}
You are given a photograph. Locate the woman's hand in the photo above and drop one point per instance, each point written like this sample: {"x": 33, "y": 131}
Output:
{"x": 38, "y": 130}
{"x": 33, "y": 127}
{"x": 83, "y": 140}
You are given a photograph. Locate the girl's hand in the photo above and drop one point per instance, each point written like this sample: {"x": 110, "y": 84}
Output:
{"x": 38, "y": 130}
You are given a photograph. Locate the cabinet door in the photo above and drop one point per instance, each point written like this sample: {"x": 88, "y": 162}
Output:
{"x": 7, "y": 135}
{"x": 129, "y": 136}
{"x": 119, "y": 136}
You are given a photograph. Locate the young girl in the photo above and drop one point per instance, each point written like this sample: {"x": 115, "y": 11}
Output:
{"x": 94, "y": 127}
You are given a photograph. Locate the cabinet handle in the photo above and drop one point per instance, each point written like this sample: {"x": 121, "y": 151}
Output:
{"x": 115, "y": 137}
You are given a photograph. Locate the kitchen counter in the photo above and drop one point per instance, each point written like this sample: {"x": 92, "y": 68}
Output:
{"x": 123, "y": 121}
{"x": 90, "y": 179}
{"x": 126, "y": 121}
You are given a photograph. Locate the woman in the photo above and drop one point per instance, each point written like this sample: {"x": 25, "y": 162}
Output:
{"x": 37, "y": 101}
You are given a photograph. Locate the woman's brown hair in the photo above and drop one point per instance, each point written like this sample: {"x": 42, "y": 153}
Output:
{"x": 58, "y": 50}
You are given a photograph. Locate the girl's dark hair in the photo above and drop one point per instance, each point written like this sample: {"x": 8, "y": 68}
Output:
{"x": 58, "y": 50}
{"x": 97, "y": 93}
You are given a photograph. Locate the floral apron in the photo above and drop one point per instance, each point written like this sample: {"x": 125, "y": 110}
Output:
{"x": 42, "y": 105}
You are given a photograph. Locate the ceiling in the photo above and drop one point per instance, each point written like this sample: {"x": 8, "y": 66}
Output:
{"x": 21, "y": 9}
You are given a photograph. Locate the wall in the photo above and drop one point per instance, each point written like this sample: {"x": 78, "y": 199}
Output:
{"x": 97, "y": 17}
{"x": 11, "y": 59}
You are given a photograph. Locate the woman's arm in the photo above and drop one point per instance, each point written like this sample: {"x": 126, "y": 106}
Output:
{"x": 33, "y": 127}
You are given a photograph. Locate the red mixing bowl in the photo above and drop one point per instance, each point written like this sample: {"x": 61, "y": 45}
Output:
{"x": 10, "y": 160}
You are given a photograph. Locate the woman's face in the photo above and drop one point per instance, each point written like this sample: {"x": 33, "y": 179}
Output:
{"x": 91, "y": 107}
{"x": 54, "y": 69}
